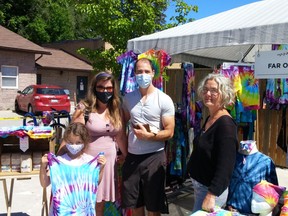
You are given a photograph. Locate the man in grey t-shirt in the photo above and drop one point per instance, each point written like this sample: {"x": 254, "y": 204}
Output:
{"x": 151, "y": 114}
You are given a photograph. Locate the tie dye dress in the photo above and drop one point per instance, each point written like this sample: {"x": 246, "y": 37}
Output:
{"x": 74, "y": 188}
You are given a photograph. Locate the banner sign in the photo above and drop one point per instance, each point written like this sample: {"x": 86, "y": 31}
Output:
{"x": 271, "y": 64}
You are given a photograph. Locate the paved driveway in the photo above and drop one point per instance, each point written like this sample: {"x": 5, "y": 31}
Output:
{"x": 9, "y": 118}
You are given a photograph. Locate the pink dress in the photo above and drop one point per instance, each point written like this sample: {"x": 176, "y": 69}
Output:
{"x": 102, "y": 135}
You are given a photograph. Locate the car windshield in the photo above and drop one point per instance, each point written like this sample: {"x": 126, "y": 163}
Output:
{"x": 50, "y": 91}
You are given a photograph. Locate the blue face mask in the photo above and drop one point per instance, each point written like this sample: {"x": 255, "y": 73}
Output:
{"x": 74, "y": 148}
{"x": 144, "y": 80}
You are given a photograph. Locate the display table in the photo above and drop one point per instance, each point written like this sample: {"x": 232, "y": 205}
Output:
{"x": 9, "y": 195}
{"x": 40, "y": 139}
{"x": 217, "y": 211}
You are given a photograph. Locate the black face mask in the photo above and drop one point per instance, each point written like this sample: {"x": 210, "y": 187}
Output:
{"x": 104, "y": 97}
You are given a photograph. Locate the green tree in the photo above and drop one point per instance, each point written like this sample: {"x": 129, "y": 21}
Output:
{"x": 182, "y": 10}
{"x": 118, "y": 21}
{"x": 44, "y": 21}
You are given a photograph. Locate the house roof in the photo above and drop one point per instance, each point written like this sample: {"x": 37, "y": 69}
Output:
{"x": 12, "y": 41}
{"x": 61, "y": 60}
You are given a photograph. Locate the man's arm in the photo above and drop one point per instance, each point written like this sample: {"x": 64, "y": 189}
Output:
{"x": 163, "y": 135}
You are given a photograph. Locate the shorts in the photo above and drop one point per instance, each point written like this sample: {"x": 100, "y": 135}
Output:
{"x": 144, "y": 178}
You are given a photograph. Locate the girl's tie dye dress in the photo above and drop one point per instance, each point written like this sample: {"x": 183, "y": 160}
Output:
{"x": 74, "y": 188}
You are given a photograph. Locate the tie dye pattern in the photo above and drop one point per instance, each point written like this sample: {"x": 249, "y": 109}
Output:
{"x": 74, "y": 188}
{"x": 270, "y": 192}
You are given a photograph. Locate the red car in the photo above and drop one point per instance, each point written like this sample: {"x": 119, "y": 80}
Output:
{"x": 39, "y": 98}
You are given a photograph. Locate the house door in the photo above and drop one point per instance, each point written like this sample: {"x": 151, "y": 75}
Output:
{"x": 38, "y": 79}
{"x": 82, "y": 85}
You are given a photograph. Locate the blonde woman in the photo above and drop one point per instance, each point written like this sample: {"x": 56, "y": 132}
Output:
{"x": 214, "y": 149}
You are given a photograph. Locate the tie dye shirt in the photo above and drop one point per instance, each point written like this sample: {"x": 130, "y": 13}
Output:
{"x": 249, "y": 170}
{"x": 74, "y": 188}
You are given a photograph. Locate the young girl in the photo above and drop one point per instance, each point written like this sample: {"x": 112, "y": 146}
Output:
{"x": 74, "y": 176}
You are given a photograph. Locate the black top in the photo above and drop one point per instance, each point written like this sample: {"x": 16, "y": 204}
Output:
{"x": 214, "y": 155}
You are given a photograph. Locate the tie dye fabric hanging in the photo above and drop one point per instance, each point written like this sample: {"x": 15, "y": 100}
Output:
{"x": 249, "y": 95}
{"x": 127, "y": 82}
{"x": 277, "y": 89}
{"x": 245, "y": 85}
{"x": 188, "y": 95}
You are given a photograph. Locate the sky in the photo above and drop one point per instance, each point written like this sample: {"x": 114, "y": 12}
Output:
{"x": 210, "y": 7}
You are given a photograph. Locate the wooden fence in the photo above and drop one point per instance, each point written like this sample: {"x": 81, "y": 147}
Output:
{"x": 268, "y": 126}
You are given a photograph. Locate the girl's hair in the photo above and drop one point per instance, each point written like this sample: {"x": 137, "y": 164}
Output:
{"x": 225, "y": 87}
{"x": 113, "y": 105}
{"x": 77, "y": 129}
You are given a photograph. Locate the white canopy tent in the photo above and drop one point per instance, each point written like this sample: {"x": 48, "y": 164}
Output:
{"x": 234, "y": 35}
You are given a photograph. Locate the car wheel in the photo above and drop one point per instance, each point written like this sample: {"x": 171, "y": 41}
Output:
{"x": 17, "y": 109}
{"x": 30, "y": 109}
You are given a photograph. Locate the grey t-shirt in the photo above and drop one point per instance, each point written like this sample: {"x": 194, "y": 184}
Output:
{"x": 157, "y": 105}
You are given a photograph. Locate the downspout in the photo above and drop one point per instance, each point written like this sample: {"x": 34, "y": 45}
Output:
{"x": 41, "y": 55}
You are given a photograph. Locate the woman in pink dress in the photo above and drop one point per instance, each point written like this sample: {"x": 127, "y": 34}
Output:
{"x": 102, "y": 114}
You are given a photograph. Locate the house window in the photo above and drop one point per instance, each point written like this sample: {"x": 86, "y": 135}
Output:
{"x": 9, "y": 78}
